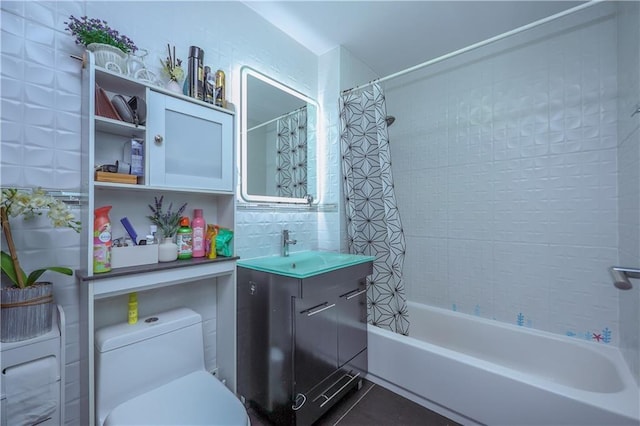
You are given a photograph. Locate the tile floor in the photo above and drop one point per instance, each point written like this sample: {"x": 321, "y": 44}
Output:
{"x": 373, "y": 405}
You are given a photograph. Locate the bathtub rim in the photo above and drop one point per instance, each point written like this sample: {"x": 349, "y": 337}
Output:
{"x": 619, "y": 403}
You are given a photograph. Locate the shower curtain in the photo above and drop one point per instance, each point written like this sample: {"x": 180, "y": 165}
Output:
{"x": 373, "y": 221}
{"x": 291, "y": 158}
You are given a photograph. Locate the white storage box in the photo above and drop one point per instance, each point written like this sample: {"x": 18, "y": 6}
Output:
{"x": 121, "y": 257}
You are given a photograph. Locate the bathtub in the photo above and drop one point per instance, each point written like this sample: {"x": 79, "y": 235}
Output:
{"x": 478, "y": 371}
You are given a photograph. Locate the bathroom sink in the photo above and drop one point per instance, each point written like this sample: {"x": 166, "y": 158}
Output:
{"x": 304, "y": 264}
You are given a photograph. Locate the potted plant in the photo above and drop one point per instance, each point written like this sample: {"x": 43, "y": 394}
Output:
{"x": 107, "y": 44}
{"x": 26, "y": 302}
{"x": 168, "y": 223}
{"x": 172, "y": 68}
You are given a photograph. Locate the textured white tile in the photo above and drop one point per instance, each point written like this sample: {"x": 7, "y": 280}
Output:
{"x": 12, "y": 24}
{"x": 39, "y": 75}
{"x": 39, "y": 96}
{"x": 41, "y": 12}
{"x": 39, "y": 54}
{"x": 14, "y": 7}
{"x": 12, "y": 175}
{"x": 12, "y": 45}
{"x": 35, "y": 32}
{"x": 12, "y": 153}
{"x": 12, "y": 67}
{"x": 12, "y": 110}
{"x": 12, "y": 89}
{"x": 68, "y": 122}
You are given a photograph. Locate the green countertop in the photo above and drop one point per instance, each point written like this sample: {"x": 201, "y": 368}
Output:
{"x": 304, "y": 264}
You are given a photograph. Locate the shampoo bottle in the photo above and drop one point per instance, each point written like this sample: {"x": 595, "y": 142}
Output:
{"x": 198, "y": 225}
{"x": 184, "y": 239}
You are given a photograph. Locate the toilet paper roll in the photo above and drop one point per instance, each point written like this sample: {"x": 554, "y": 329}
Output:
{"x": 31, "y": 393}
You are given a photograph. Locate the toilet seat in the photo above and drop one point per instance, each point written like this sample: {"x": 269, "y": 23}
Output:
{"x": 195, "y": 399}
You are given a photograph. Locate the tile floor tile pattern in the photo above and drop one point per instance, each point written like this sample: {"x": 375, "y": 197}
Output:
{"x": 373, "y": 405}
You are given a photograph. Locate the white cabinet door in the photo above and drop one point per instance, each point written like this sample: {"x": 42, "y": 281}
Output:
{"x": 189, "y": 145}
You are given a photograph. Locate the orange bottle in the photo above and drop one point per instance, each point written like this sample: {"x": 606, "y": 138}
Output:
{"x": 101, "y": 240}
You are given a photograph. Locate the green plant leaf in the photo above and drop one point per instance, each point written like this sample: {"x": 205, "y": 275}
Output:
{"x": 33, "y": 276}
{"x": 9, "y": 270}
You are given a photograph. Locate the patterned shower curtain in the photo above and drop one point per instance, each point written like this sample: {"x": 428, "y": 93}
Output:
{"x": 291, "y": 158}
{"x": 373, "y": 221}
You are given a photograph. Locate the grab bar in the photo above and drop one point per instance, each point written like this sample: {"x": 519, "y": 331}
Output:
{"x": 621, "y": 276}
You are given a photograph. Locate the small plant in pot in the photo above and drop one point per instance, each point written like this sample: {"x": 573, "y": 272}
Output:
{"x": 168, "y": 223}
{"x": 107, "y": 44}
{"x": 26, "y": 302}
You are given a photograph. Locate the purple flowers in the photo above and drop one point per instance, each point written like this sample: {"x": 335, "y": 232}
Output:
{"x": 93, "y": 30}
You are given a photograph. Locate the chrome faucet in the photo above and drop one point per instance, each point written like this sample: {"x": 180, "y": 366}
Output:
{"x": 286, "y": 241}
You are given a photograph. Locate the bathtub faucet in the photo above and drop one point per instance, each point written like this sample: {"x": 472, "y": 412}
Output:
{"x": 286, "y": 241}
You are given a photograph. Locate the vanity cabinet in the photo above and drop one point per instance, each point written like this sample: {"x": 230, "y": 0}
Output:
{"x": 302, "y": 343}
{"x": 187, "y": 157}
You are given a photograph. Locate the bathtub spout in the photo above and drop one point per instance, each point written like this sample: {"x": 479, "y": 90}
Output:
{"x": 621, "y": 277}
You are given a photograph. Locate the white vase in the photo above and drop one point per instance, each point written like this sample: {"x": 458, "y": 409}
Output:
{"x": 173, "y": 86}
{"x": 167, "y": 250}
{"x": 109, "y": 57}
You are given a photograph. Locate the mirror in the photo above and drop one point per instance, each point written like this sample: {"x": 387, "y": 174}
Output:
{"x": 278, "y": 142}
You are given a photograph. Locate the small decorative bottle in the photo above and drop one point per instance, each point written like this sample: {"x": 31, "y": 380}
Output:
{"x": 184, "y": 239}
{"x": 198, "y": 225}
{"x": 151, "y": 237}
{"x": 220, "y": 90}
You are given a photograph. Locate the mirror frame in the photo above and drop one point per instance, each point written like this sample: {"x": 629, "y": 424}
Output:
{"x": 246, "y": 72}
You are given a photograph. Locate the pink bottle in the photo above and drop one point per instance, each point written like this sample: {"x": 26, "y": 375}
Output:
{"x": 199, "y": 227}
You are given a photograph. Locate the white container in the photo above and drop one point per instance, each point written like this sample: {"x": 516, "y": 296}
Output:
{"x": 121, "y": 257}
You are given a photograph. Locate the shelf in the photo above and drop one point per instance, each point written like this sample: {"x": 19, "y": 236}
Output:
{"x": 126, "y": 280}
{"x": 147, "y": 188}
{"x": 118, "y": 127}
{"x": 111, "y": 80}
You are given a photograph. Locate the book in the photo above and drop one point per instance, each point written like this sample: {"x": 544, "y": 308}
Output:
{"x": 104, "y": 107}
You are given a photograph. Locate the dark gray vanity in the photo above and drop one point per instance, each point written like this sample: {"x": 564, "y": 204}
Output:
{"x": 302, "y": 337}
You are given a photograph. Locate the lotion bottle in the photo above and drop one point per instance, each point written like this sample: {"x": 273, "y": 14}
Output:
{"x": 198, "y": 226}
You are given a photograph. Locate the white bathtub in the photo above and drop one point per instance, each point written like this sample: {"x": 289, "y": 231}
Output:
{"x": 478, "y": 371}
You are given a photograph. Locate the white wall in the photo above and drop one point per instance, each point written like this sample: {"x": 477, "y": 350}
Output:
{"x": 41, "y": 117}
{"x": 629, "y": 176}
{"x": 506, "y": 176}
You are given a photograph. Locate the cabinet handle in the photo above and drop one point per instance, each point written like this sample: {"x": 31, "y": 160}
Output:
{"x": 329, "y": 398}
{"x": 299, "y": 402}
{"x": 323, "y": 307}
{"x": 158, "y": 138}
{"x": 356, "y": 293}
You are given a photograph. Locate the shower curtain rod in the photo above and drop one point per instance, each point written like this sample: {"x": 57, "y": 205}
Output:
{"x": 257, "y": 126}
{"x": 479, "y": 44}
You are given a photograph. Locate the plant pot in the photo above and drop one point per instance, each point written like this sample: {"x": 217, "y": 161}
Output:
{"x": 167, "y": 250}
{"x": 109, "y": 57}
{"x": 26, "y": 312}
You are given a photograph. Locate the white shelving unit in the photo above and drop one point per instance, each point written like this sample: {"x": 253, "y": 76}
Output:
{"x": 188, "y": 157}
{"x": 22, "y": 353}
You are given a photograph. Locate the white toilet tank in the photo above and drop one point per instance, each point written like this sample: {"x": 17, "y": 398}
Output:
{"x": 133, "y": 359}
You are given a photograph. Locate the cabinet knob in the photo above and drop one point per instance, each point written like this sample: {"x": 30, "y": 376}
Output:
{"x": 158, "y": 138}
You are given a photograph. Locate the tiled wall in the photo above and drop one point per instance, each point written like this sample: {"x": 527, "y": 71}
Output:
{"x": 41, "y": 146}
{"x": 41, "y": 118}
{"x": 506, "y": 175}
{"x": 629, "y": 176}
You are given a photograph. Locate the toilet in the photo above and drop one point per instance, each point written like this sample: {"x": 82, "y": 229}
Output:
{"x": 153, "y": 373}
